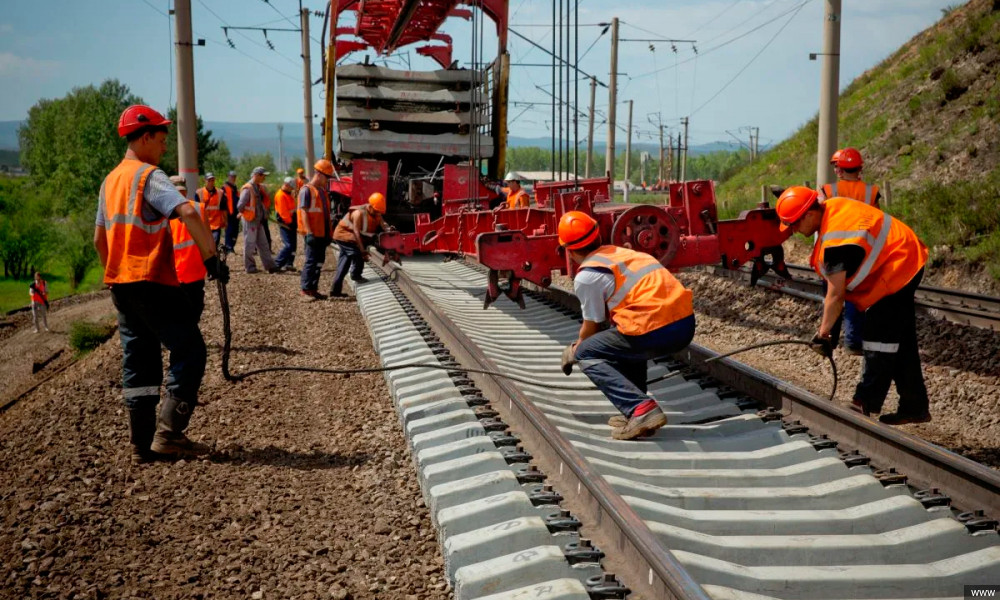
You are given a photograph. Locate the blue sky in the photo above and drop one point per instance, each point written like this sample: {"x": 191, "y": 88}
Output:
{"x": 47, "y": 47}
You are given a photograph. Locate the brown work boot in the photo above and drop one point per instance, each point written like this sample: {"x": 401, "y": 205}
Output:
{"x": 142, "y": 427}
{"x": 170, "y": 425}
{"x": 618, "y": 421}
{"x": 651, "y": 419}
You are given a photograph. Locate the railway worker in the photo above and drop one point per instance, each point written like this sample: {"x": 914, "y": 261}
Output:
{"x": 352, "y": 234}
{"x": 132, "y": 238}
{"x": 875, "y": 261}
{"x": 187, "y": 259}
{"x": 284, "y": 206}
{"x": 231, "y": 196}
{"x": 300, "y": 180}
{"x": 651, "y": 311}
{"x": 314, "y": 223}
{"x": 849, "y": 183}
{"x": 254, "y": 213}
{"x": 210, "y": 198}
{"x": 516, "y": 196}
{"x": 38, "y": 291}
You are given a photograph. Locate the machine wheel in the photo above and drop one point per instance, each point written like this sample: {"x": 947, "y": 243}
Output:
{"x": 648, "y": 229}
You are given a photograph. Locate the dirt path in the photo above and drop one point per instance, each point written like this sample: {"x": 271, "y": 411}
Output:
{"x": 310, "y": 492}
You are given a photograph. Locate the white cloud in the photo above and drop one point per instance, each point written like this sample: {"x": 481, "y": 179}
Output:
{"x": 12, "y": 65}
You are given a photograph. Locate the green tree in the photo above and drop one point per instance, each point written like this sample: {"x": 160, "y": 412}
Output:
{"x": 76, "y": 235}
{"x": 206, "y": 144}
{"x": 220, "y": 162}
{"x": 249, "y": 160}
{"x": 295, "y": 164}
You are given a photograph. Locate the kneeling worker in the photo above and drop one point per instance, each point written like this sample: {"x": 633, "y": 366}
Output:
{"x": 875, "y": 261}
{"x": 652, "y": 313}
{"x": 359, "y": 223}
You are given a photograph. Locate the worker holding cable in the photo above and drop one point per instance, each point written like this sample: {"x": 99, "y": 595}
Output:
{"x": 133, "y": 241}
{"x": 651, "y": 312}
{"x": 314, "y": 223}
{"x": 352, "y": 234}
{"x": 875, "y": 261}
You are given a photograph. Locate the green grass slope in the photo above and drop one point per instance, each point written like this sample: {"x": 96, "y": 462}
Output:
{"x": 926, "y": 119}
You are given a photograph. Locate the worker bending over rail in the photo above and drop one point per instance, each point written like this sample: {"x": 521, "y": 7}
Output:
{"x": 652, "y": 313}
{"x": 352, "y": 234}
{"x": 133, "y": 241}
{"x": 875, "y": 261}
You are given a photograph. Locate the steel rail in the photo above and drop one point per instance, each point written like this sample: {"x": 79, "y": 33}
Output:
{"x": 635, "y": 553}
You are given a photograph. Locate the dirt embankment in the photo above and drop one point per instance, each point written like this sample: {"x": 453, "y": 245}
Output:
{"x": 310, "y": 492}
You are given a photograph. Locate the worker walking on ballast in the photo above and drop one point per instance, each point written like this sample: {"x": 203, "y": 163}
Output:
{"x": 652, "y": 314}
{"x": 359, "y": 223}
{"x": 875, "y": 261}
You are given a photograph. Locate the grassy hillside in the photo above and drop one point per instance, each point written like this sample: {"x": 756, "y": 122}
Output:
{"x": 927, "y": 119}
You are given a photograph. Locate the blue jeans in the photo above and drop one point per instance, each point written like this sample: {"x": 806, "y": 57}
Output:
{"x": 315, "y": 257}
{"x": 616, "y": 362}
{"x": 151, "y": 314}
{"x": 854, "y": 325}
{"x": 289, "y": 240}
{"x": 351, "y": 258}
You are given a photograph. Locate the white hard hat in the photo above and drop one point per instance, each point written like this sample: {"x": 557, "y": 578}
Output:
{"x": 512, "y": 176}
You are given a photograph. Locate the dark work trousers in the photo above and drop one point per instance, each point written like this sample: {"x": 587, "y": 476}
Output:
{"x": 315, "y": 257}
{"x": 216, "y": 236}
{"x": 232, "y": 230}
{"x": 151, "y": 315}
{"x": 616, "y": 362}
{"x": 266, "y": 226}
{"x": 854, "y": 323}
{"x": 891, "y": 355}
{"x": 195, "y": 293}
{"x": 351, "y": 258}
{"x": 289, "y": 240}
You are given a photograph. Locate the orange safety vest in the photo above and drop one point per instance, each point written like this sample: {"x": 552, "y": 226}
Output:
{"x": 138, "y": 250}
{"x": 893, "y": 253}
{"x": 212, "y": 201}
{"x": 284, "y": 204}
{"x": 317, "y": 216}
{"x": 300, "y": 182}
{"x": 369, "y": 225}
{"x": 518, "y": 200}
{"x": 39, "y": 293}
{"x": 647, "y": 296}
{"x": 855, "y": 190}
{"x": 250, "y": 212}
{"x": 187, "y": 257}
{"x": 229, "y": 193}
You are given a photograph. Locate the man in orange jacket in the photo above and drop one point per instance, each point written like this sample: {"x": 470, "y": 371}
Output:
{"x": 214, "y": 207}
{"x": 314, "y": 223}
{"x": 849, "y": 185}
{"x": 652, "y": 314}
{"x": 132, "y": 239}
{"x": 285, "y": 205}
{"x": 875, "y": 261}
{"x": 187, "y": 258}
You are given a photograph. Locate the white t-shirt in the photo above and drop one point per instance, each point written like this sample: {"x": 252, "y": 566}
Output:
{"x": 594, "y": 287}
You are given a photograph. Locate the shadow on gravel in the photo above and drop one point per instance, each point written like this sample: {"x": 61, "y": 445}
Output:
{"x": 986, "y": 456}
{"x": 277, "y": 457}
{"x": 263, "y": 348}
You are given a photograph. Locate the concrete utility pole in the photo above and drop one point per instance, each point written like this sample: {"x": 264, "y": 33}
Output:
{"x": 590, "y": 129}
{"x": 281, "y": 147}
{"x": 187, "y": 140}
{"x": 628, "y": 150}
{"x": 609, "y": 160}
{"x": 307, "y": 93}
{"x": 670, "y": 156}
{"x": 829, "y": 89}
{"x": 684, "y": 156}
{"x": 659, "y": 174}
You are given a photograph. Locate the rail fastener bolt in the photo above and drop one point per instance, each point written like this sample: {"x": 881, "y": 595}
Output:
{"x": 582, "y": 552}
{"x": 606, "y": 587}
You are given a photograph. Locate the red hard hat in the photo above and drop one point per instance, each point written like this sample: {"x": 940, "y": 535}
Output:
{"x": 793, "y": 203}
{"x": 138, "y": 116}
{"x": 835, "y": 157}
{"x": 849, "y": 158}
{"x": 577, "y": 230}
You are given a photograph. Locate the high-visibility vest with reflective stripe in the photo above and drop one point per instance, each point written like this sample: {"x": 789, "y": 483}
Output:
{"x": 138, "y": 250}
{"x": 250, "y": 212}
{"x": 855, "y": 190}
{"x": 647, "y": 296}
{"x": 284, "y": 205}
{"x": 519, "y": 199}
{"x": 231, "y": 197}
{"x": 212, "y": 201}
{"x": 369, "y": 225}
{"x": 893, "y": 253}
{"x": 38, "y": 292}
{"x": 187, "y": 257}
{"x": 316, "y": 218}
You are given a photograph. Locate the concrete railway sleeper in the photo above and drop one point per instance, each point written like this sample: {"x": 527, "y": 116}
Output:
{"x": 724, "y": 502}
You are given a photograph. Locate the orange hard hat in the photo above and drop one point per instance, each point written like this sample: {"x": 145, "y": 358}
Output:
{"x": 138, "y": 116}
{"x": 835, "y": 157}
{"x": 300, "y": 171}
{"x": 850, "y": 158}
{"x": 324, "y": 166}
{"x": 377, "y": 200}
{"x": 577, "y": 230}
{"x": 793, "y": 203}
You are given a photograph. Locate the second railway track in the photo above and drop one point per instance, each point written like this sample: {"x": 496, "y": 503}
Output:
{"x": 723, "y": 502}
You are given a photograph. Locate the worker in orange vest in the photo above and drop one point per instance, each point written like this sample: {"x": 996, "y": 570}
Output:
{"x": 215, "y": 209}
{"x": 300, "y": 180}
{"x": 133, "y": 240}
{"x": 190, "y": 269}
{"x": 285, "y": 208}
{"x": 516, "y": 196}
{"x": 38, "y": 291}
{"x": 651, "y": 312}
{"x": 231, "y": 197}
{"x": 849, "y": 184}
{"x": 353, "y": 233}
{"x": 875, "y": 261}
{"x": 253, "y": 206}
{"x": 314, "y": 223}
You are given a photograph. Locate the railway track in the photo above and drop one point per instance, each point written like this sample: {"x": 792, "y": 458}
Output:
{"x": 756, "y": 489}
{"x": 966, "y": 308}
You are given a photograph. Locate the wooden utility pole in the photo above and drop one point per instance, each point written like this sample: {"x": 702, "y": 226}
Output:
{"x": 307, "y": 93}
{"x": 609, "y": 159}
{"x": 628, "y": 150}
{"x": 829, "y": 89}
{"x": 590, "y": 129}
{"x": 187, "y": 140}
{"x": 684, "y": 156}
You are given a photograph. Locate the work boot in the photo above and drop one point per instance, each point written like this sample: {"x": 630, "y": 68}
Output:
{"x": 361, "y": 279}
{"x": 142, "y": 426}
{"x": 170, "y": 425}
{"x": 620, "y": 421}
{"x": 901, "y": 419}
{"x": 646, "y": 419}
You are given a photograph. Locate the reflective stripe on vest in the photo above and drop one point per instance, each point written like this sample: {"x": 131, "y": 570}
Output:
{"x": 138, "y": 250}
{"x": 187, "y": 257}
{"x": 868, "y": 197}
{"x": 316, "y": 218}
{"x": 214, "y": 217}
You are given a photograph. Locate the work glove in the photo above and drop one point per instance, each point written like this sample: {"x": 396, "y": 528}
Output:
{"x": 822, "y": 346}
{"x": 217, "y": 270}
{"x": 569, "y": 359}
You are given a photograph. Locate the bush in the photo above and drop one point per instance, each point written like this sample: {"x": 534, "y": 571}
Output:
{"x": 85, "y": 336}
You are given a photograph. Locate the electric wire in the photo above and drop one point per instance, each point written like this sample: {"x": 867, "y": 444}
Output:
{"x": 227, "y": 26}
